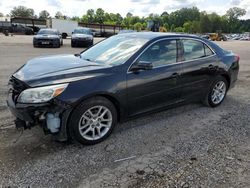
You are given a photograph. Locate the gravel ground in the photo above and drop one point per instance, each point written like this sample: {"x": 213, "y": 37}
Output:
{"x": 189, "y": 146}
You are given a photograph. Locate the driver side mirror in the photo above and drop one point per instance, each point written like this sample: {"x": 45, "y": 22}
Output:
{"x": 142, "y": 65}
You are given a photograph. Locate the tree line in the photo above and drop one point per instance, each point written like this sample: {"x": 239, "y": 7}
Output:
{"x": 188, "y": 20}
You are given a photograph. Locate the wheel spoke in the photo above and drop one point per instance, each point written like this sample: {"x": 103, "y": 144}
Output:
{"x": 99, "y": 111}
{"x": 86, "y": 131}
{"x": 104, "y": 125}
{"x": 93, "y": 133}
{"x": 84, "y": 126}
{"x": 89, "y": 111}
{"x": 86, "y": 117}
{"x": 98, "y": 131}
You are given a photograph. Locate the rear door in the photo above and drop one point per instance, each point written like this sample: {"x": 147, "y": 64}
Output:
{"x": 199, "y": 64}
{"x": 152, "y": 89}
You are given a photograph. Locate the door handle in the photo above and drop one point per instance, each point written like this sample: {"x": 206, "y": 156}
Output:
{"x": 212, "y": 67}
{"x": 175, "y": 75}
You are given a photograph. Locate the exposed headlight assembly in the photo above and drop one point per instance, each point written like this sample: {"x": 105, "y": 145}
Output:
{"x": 41, "y": 94}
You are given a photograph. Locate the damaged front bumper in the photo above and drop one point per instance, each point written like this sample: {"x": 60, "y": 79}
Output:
{"x": 51, "y": 116}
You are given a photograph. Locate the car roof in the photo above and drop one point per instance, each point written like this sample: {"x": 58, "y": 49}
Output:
{"x": 152, "y": 35}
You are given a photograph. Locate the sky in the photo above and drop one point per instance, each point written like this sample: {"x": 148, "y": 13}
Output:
{"x": 136, "y": 7}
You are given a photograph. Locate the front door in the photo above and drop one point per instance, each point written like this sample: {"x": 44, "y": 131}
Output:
{"x": 158, "y": 87}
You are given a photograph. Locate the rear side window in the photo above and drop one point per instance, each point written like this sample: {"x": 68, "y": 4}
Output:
{"x": 195, "y": 49}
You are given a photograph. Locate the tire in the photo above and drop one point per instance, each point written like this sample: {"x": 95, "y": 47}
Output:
{"x": 82, "y": 119}
{"x": 58, "y": 44}
{"x": 64, "y": 35}
{"x": 62, "y": 43}
{"x": 210, "y": 99}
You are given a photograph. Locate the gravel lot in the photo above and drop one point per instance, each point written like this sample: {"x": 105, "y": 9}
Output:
{"x": 189, "y": 146}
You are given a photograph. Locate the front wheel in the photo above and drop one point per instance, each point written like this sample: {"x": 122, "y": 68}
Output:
{"x": 217, "y": 92}
{"x": 93, "y": 120}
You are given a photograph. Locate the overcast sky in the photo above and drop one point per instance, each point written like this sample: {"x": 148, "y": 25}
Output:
{"x": 136, "y": 7}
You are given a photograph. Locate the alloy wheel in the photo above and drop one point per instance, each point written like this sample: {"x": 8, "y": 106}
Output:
{"x": 95, "y": 123}
{"x": 219, "y": 92}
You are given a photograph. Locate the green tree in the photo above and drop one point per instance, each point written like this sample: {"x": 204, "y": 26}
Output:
{"x": 100, "y": 16}
{"x": 138, "y": 26}
{"x": 119, "y": 19}
{"x": 166, "y": 26}
{"x": 22, "y": 11}
{"x": 90, "y": 16}
{"x": 172, "y": 28}
{"x": 188, "y": 27}
{"x": 205, "y": 24}
{"x": 1, "y": 14}
{"x": 129, "y": 15}
{"x": 179, "y": 29}
{"x": 44, "y": 14}
{"x": 196, "y": 27}
{"x": 76, "y": 18}
{"x": 59, "y": 15}
{"x": 233, "y": 15}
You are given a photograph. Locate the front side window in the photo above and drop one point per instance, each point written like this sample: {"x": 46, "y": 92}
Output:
{"x": 195, "y": 49}
{"x": 161, "y": 53}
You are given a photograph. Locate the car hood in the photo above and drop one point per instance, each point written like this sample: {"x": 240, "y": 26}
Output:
{"x": 57, "y": 69}
{"x": 81, "y": 35}
{"x": 45, "y": 36}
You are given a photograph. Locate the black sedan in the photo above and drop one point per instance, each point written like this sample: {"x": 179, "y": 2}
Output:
{"x": 82, "y": 36}
{"x": 83, "y": 96}
{"x": 48, "y": 37}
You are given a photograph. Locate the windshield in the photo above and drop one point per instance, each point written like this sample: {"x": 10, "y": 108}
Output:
{"x": 82, "y": 31}
{"x": 115, "y": 50}
{"x": 47, "y": 32}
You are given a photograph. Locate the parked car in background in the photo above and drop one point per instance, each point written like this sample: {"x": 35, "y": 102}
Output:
{"x": 22, "y": 29}
{"x": 84, "y": 96}
{"x": 48, "y": 38}
{"x": 82, "y": 36}
{"x": 96, "y": 33}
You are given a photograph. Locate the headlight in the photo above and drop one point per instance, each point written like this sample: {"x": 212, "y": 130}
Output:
{"x": 41, "y": 94}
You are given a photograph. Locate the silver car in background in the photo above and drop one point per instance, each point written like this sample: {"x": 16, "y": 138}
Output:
{"x": 82, "y": 36}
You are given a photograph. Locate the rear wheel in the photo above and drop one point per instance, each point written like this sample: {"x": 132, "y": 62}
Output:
{"x": 93, "y": 120}
{"x": 64, "y": 35}
{"x": 217, "y": 92}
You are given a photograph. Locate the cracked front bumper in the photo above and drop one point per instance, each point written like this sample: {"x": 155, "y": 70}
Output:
{"x": 29, "y": 115}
